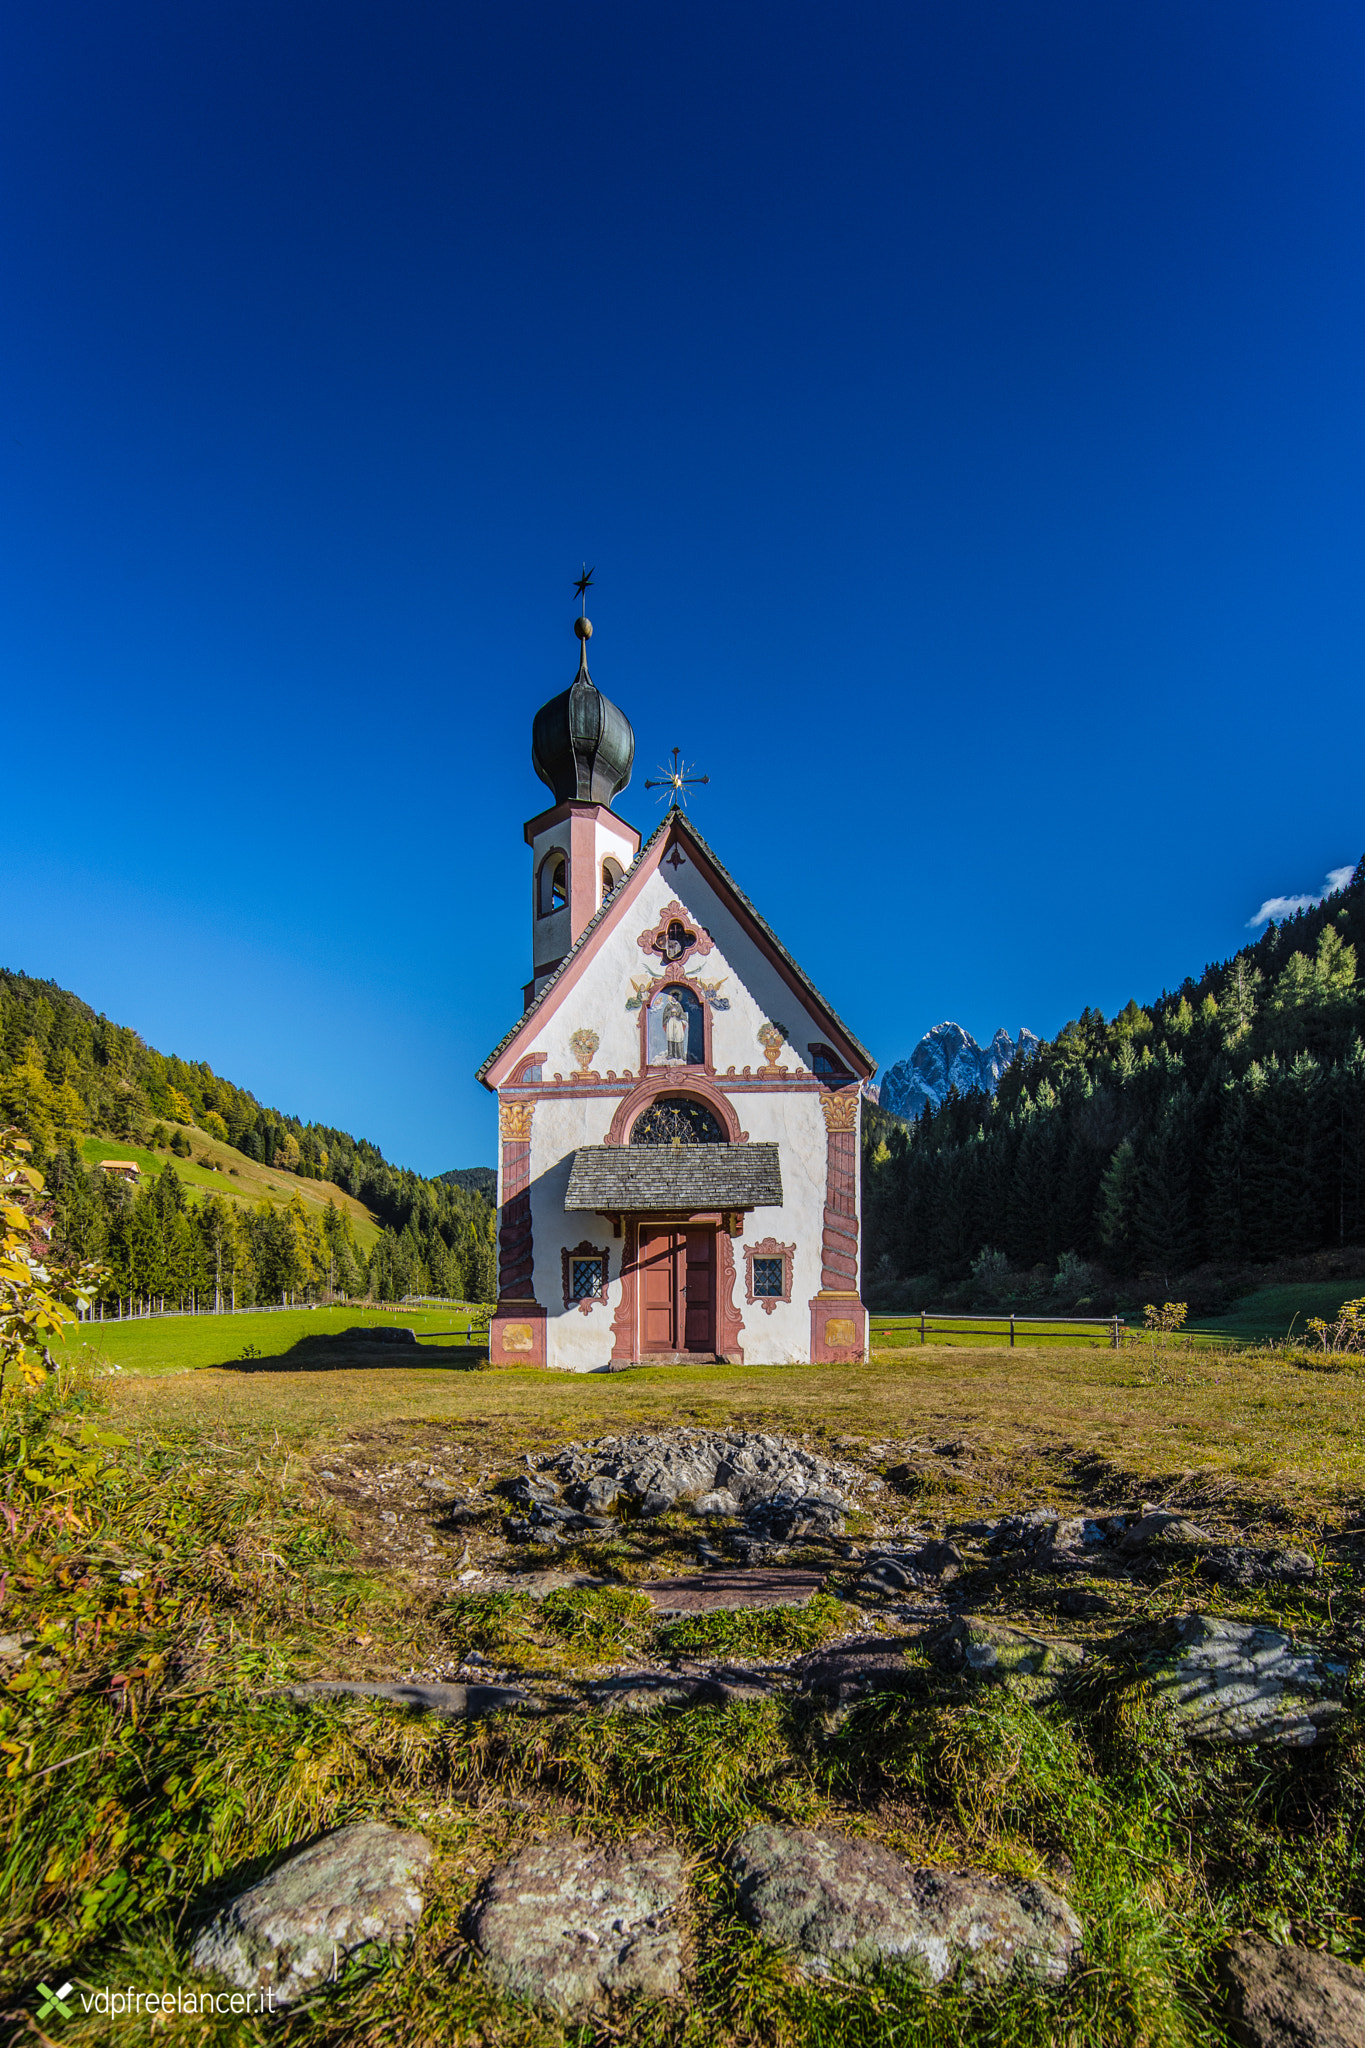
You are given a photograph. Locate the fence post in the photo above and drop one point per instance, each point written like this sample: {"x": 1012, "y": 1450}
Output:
{"x": 922, "y": 1314}
{"x": 1116, "y": 1333}
{"x": 1011, "y": 1329}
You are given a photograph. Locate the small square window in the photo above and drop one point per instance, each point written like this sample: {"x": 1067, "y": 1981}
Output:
{"x": 767, "y": 1278}
{"x": 585, "y": 1279}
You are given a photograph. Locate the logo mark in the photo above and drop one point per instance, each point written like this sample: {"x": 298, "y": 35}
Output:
{"x": 54, "y": 2001}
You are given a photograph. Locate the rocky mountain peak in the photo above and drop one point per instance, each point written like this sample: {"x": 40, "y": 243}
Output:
{"x": 949, "y": 1057}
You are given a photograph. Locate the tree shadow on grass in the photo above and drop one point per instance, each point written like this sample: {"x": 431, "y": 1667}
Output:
{"x": 344, "y": 1353}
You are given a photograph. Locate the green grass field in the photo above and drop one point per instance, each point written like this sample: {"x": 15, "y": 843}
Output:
{"x": 164, "y": 1344}
{"x": 891, "y": 1333}
{"x": 1275, "y": 1313}
{"x": 234, "y": 1175}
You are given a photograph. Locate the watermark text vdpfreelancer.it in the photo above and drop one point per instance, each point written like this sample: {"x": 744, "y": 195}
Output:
{"x": 123, "y": 2004}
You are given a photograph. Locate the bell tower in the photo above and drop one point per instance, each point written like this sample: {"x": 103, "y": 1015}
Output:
{"x": 582, "y": 747}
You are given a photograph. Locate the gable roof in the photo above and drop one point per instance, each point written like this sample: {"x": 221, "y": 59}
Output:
{"x": 615, "y": 906}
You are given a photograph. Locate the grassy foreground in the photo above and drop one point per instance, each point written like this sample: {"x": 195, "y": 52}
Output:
{"x": 185, "y": 1544}
{"x": 159, "y": 1344}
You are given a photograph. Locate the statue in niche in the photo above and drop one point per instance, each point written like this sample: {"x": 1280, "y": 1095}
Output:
{"x": 675, "y": 1029}
{"x": 675, "y": 1033}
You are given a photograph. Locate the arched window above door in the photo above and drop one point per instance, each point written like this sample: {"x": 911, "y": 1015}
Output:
{"x": 676, "y": 1120}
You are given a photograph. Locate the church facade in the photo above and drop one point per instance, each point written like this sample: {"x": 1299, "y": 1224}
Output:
{"x": 678, "y": 1108}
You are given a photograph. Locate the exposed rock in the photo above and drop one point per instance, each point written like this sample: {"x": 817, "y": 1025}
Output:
{"x": 375, "y": 1333}
{"x": 721, "y": 1502}
{"x": 548, "y": 1520}
{"x": 912, "y": 1570}
{"x": 849, "y": 1671}
{"x": 992, "y": 1649}
{"x": 459, "y": 1702}
{"x": 360, "y": 1885}
{"x": 937, "y": 1560}
{"x": 1234, "y": 1681}
{"x": 841, "y": 1904}
{"x": 1163, "y": 1531}
{"x": 644, "y": 1692}
{"x": 1232, "y": 1564}
{"x": 717, "y": 1591}
{"x": 1046, "y": 1534}
{"x": 787, "y": 1518}
{"x": 528, "y": 1491}
{"x": 594, "y": 1496}
{"x": 567, "y": 1923}
{"x": 657, "y": 1470}
{"x": 1292, "y": 1997}
{"x": 948, "y": 1057}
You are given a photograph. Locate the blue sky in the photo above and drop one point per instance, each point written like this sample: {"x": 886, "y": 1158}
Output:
{"x": 961, "y": 405}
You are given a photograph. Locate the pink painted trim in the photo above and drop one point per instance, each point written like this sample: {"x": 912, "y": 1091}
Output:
{"x": 768, "y": 1248}
{"x": 674, "y": 1081}
{"x": 533, "y": 827}
{"x": 621, "y": 902}
{"x": 656, "y": 938}
{"x": 585, "y": 1305}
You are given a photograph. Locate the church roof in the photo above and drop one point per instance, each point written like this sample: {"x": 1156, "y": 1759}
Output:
{"x": 582, "y": 745}
{"x": 616, "y": 904}
{"x": 641, "y": 1178}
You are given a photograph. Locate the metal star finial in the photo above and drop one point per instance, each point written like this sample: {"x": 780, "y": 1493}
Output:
{"x": 678, "y": 780}
{"x": 583, "y": 586}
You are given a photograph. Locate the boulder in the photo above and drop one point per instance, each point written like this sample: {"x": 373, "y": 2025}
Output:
{"x": 1162, "y": 1531}
{"x": 838, "y": 1903}
{"x": 786, "y": 1517}
{"x": 594, "y": 1496}
{"x": 849, "y": 1671}
{"x": 569, "y": 1922}
{"x": 528, "y": 1491}
{"x": 719, "y": 1502}
{"x": 1292, "y": 1997}
{"x": 360, "y": 1885}
{"x": 375, "y": 1333}
{"x": 1236, "y": 1681}
{"x": 992, "y": 1649}
{"x": 1233, "y": 1564}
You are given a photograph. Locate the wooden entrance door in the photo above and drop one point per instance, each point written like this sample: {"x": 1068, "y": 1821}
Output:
{"x": 677, "y": 1289}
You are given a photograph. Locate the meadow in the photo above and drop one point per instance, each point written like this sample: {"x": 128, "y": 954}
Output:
{"x": 165, "y": 1344}
{"x": 230, "y": 1172}
{"x": 189, "y": 1543}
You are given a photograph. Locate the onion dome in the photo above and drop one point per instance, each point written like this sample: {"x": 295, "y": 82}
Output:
{"x": 582, "y": 744}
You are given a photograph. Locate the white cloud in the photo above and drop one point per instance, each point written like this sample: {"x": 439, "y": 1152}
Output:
{"x": 1276, "y": 907}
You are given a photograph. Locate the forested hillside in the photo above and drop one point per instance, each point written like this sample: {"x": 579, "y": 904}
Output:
{"x": 1224, "y": 1124}
{"x": 65, "y": 1071}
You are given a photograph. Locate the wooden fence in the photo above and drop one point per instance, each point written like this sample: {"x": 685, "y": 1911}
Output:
{"x": 1036, "y": 1329}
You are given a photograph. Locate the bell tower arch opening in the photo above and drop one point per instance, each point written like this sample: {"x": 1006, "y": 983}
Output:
{"x": 583, "y": 749}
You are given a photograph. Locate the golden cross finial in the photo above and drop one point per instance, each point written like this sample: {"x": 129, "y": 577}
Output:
{"x": 678, "y": 780}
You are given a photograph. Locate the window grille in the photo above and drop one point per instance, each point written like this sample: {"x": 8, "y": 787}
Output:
{"x": 676, "y": 1120}
{"x": 767, "y": 1277}
{"x": 585, "y": 1279}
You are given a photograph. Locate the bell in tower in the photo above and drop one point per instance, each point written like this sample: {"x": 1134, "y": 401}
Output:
{"x": 583, "y": 748}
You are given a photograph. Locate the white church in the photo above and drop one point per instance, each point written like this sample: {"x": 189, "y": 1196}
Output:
{"x": 678, "y": 1107}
